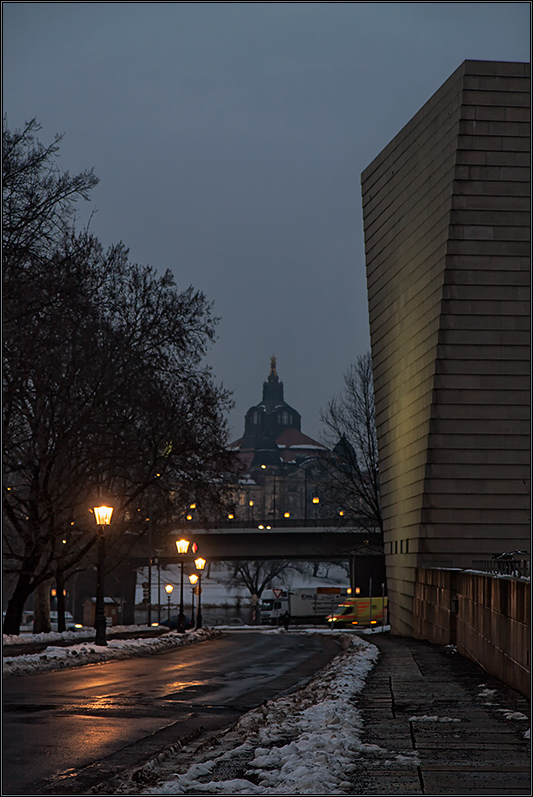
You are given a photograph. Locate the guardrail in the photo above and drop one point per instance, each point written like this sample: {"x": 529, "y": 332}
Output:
{"x": 279, "y": 523}
{"x": 516, "y": 568}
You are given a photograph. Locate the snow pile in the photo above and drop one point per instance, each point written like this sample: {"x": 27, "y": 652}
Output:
{"x": 512, "y": 715}
{"x": 306, "y": 742}
{"x": 85, "y": 632}
{"x": 55, "y": 657}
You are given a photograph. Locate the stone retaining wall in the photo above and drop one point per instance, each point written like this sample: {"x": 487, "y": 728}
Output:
{"x": 487, "y": 617}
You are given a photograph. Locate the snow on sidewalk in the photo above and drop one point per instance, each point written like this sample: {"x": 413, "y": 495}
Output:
{"x": 306, "y": 742}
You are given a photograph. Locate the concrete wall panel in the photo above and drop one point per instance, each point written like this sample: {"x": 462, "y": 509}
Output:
{"x": 446, "y": 218}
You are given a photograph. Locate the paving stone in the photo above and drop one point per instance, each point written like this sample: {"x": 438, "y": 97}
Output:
{"x": 468, "y": 779}
{"x": 485, "y": 752}
{"x": 389, "y": 781}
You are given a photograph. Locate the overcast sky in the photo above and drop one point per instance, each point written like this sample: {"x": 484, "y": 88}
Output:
{"x": 229, "y": 139}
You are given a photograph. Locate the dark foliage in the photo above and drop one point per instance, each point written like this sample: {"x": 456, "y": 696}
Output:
{"x": 105, "y": 394}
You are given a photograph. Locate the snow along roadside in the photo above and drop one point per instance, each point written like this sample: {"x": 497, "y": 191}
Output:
{"x": 56, "y": 657}
{"x": 305, "y": 742}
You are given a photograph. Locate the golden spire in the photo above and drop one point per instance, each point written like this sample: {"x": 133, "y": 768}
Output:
{"x": 273, "y": 376}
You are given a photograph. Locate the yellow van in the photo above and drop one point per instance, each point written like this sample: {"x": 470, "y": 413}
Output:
{"x": 360, "y": 612}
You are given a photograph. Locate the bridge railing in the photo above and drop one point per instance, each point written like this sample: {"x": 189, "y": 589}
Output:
{"x": 517, "y": 568}
{"x": 279, "y": 523}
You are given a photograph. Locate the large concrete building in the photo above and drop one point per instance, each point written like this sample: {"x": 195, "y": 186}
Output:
{"x": 446, "y": 219}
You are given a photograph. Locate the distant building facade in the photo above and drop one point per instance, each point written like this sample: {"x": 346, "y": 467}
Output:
{"x": 446, "y": 222}
{"x": 283, "y": 475}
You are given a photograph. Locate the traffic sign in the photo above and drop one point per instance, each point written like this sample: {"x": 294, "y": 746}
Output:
{"x": 277, "y": 593}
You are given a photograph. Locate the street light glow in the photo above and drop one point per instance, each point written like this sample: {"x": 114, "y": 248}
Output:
{"x": 102, "y": 515}
{"x": 199, "y": 563}
{"x": 182, "y": 546}
{"x": 169, "y": 589}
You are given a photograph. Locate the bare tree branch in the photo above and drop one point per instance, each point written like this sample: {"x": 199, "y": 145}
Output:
{"x": 353, "y": 473}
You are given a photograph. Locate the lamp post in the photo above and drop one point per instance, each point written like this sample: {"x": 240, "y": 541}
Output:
{"x": 183, "y": 547}
{"x": 200, "y": 564}
{"x": 169, "y": 589}
{"x": 102, "y": 516}
{"x": 305, "y": 496}
{"x": 316, "y": 502}
{"x": 193, "y": 578}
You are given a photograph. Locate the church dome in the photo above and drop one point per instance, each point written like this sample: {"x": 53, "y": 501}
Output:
{"x": 272, "y": 416}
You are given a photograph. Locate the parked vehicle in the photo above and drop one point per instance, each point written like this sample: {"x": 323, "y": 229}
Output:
{"x": 173, "y": 623}
{"x": 304, "y": 604}
{"x": 360, "y": 612}
{"x": 27, "y": 621}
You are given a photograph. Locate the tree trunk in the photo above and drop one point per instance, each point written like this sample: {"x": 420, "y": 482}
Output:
{"x": 41, "y": 608}
{"x": 15, "y": 606}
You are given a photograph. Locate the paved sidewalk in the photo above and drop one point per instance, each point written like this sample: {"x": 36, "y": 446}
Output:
{"x": 442, "y": 725}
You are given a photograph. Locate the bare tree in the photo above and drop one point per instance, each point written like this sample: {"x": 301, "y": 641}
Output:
{"x": 257, "y": 576}
{"x": 104, "y": 388}
{"x": 352, "y": 473}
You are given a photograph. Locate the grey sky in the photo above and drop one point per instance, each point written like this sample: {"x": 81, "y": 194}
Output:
{"x": 229, "y": 139}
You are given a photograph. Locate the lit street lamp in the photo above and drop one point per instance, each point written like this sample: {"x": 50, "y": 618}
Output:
{"x": 169, "y": 589}
{"x": 193, "y": 578}
{"x": 200, "y": 564}
{"x": 183, "y": 547}
{"x": 316, "y": 502}
{"x": 102, "y": 516}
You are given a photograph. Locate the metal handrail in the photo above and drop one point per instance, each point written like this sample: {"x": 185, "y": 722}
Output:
{"x": 516, "y": 568}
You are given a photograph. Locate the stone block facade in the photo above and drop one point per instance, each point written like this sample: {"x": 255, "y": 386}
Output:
{"x": 447, "y": 243}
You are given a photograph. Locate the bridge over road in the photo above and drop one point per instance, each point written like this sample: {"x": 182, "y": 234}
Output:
{"x": 362, "y": 548}
{"x": 296, "y": 542}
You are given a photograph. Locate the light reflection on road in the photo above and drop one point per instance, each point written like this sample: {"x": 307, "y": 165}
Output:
{"x": 72, "y": 718}
{"x": 177, "y": 686}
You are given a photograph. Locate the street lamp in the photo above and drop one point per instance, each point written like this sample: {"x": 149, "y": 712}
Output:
{"x": 169, "y": 589}
{"x": 200, "y": 564}
{"x": 193, "y": 578}
{"x": 102, "y": 516}
{"x": 183, "y": 547}
{"x": 316, "y": 501}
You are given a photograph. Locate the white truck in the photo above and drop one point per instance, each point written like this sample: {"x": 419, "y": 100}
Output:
{"x": 303, "y": 604}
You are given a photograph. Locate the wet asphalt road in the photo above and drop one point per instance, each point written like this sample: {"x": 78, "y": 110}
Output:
{"x": 67, "y": 730}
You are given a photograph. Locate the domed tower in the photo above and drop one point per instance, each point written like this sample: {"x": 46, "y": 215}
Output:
{"x": 264, "y": 422}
